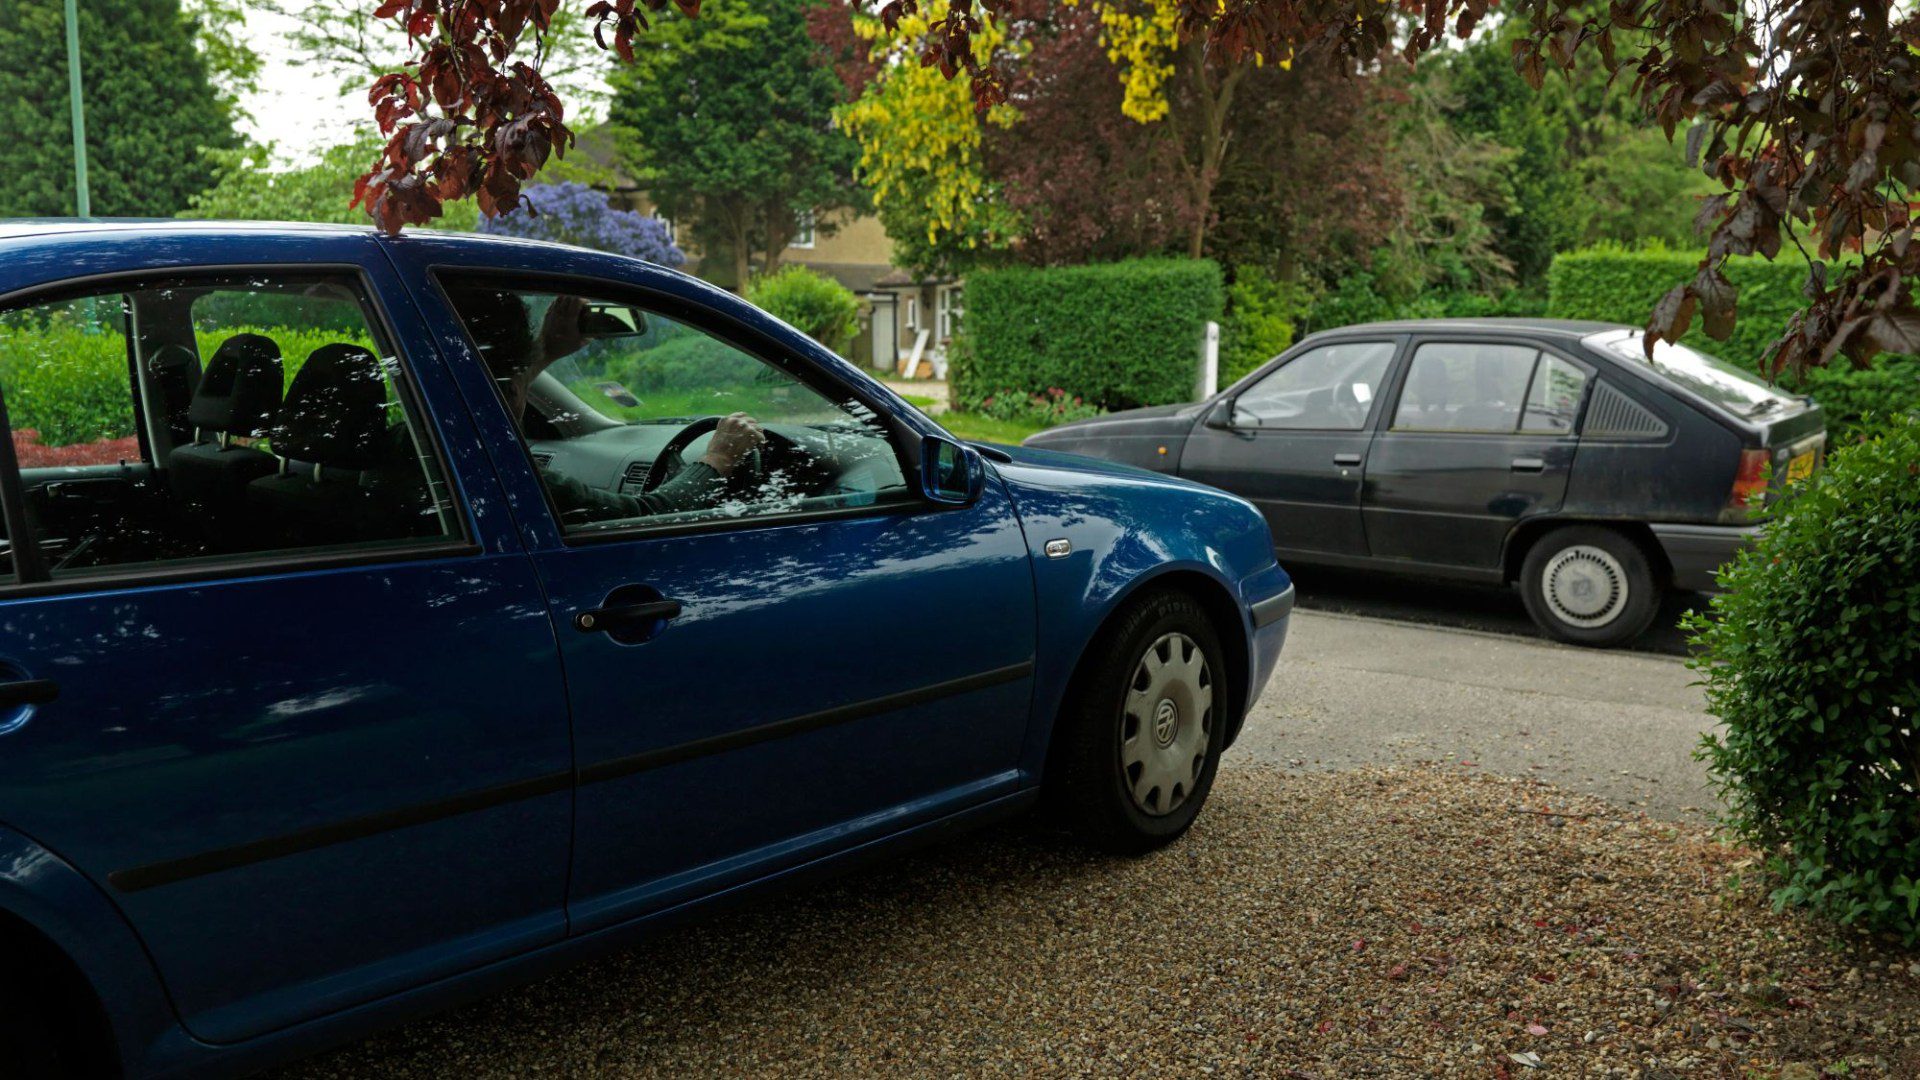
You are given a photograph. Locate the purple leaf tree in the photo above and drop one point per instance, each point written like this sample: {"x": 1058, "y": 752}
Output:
{"x": 573, "y": 213}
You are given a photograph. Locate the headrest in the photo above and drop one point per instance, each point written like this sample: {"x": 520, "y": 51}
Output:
{"x": 336, "y": 410}
{"x": 240, "y": 390}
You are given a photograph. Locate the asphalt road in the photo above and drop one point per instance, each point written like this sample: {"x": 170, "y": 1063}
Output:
{"x": 1359, "y": 690}
{"x": 1473, "y": 607}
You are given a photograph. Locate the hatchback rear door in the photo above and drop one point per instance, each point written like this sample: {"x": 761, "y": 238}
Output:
{"x": 1480, "y": 437}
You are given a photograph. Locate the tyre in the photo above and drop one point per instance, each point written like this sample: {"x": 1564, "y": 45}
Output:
{"x": 1589, "y": 585}
{"x": 30, "y": 1048}
{"x": 1142, "y": 732}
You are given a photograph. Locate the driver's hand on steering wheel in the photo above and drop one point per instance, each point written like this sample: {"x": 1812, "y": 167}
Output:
{"x": 736, "y": 437}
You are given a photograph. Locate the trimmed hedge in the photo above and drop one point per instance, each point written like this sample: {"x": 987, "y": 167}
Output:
{"x": 1616, "y": 285}
{"x": 1812, "y": 665}
{"x": 1114, "y": 334}
{"x": 1260, "y": 322}
{"x": 814, "y": 304}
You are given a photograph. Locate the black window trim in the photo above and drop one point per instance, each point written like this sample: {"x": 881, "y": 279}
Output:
{"x": 247, "y": 565}
{"x": 1399, "y": 342}
{"x": 1541, "y": 347}
{"x": 904, "y": 440}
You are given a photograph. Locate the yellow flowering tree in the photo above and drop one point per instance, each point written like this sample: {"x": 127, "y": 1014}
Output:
{"x": 920, "y": 147}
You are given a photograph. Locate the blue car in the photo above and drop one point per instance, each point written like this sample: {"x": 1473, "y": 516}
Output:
{"x": 387, "y": 620}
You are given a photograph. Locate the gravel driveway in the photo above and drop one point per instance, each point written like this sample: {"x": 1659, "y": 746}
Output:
{"x": 1353, "y": 691}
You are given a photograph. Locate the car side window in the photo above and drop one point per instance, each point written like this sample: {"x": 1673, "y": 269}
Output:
{"x": 1465, "y": 387}
{"x": 634, "y": 418}
{"x": 1330, "y": 388}
{"x": 199, "y": 419}
{"x": 1554, "y": 398}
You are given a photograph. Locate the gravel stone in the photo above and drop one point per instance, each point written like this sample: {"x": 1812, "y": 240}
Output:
{"x": 1373, "y": 922}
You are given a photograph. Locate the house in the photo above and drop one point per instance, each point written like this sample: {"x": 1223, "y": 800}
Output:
{"x": 899, "y": 312}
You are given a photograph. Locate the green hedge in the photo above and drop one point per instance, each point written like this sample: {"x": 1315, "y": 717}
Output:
{"x": 70, "y": 384}
{"x": 1114, "y": 334}
{"x": 1615, "y": 285}
{"x": 814, "y": 304}
{"x": 1260, "y": 322}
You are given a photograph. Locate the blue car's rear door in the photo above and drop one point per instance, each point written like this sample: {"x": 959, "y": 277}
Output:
{"x": 840, "y": 659}
{"x": 309, "y": 732}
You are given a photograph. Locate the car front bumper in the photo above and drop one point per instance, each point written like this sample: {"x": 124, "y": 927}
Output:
{"x": 1270, "y": 616}
{"x": 1696, "y": 551}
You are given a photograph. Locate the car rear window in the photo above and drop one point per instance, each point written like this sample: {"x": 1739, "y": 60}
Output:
{"x": 1709, "y": 378}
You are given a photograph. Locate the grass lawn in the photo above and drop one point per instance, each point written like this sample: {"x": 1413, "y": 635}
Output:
{"x": 986, "y": 428}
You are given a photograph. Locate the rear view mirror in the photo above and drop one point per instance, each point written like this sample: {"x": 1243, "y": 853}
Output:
{"x": 599, "y": 321}
{"x": 949, "y": 472}
{"x": 1220, "y": 417}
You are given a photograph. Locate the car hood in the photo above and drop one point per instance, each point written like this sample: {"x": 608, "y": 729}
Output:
{"x": 1030, "y": 457}
{"x": 1153, "y": 416}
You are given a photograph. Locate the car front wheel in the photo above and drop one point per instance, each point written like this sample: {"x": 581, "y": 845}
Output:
{"x": 1589, "y": 585}
{"x": 1140, "y": 742}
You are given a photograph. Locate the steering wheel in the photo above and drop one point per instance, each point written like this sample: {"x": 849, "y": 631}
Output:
{"x": 672, "y": 457}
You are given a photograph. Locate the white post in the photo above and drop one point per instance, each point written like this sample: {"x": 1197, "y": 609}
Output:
{"x": 1208, "y": 382}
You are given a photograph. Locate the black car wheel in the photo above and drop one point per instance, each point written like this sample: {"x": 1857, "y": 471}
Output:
{"x": 1141, "y": 736}
{"x": 1589, "y": 585}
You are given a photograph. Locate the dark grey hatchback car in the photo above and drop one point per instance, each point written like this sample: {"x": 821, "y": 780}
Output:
{"x": 1546, "y": 453}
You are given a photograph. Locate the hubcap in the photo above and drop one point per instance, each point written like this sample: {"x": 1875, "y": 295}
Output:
{"x": 1585, "y": 586}
{"x": 1166, "y": 724}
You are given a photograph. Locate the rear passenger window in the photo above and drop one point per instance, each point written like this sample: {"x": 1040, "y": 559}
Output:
{"x": 195, "y": 420}
{"x": 1465, "y": 386}
{"x": 1554, "y": 399}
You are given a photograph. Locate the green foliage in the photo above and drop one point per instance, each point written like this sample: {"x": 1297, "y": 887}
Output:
{"x": 1367, "y": 296}
{"x": 727, "y": 119}
{"x": 1612, "y": 284}
{"x": 1116, "y": 334}
{"x": 1811, "y": 662}
{"x": 816, "y": 305}
{"x": 1261, "y": 313}
{"x": 151, "y": 111}
{"x": 246, "y": 188}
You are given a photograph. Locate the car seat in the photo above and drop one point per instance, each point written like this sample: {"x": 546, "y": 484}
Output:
{"x": 238, "y": 397}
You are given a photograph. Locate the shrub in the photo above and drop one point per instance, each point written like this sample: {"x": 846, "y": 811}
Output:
{"x": 573, "y": 213}
{"x": 1260, "y": 322}
{"x": 1362, "y": 297}
{"x": 1617, "y": 285}
{"x": 1050, "y": 409}
{"x": 1812, "y": 663}
{"x": 1116, "y": 334}
{"x": 817, "y": 306}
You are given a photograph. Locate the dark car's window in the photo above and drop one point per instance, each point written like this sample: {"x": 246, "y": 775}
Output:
{"x": 1718, "y": 382}
{"x": 1330, "y": 388}
{"x": 1465, "y": 386}
{"x": 203, "y": 419}
{"x": 1553, "y": 400}
{"x": 601, "y": 410}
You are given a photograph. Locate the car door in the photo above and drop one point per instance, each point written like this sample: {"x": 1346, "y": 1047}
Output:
{"x": 806, "y": 657}
{"x": 1481, "y": 437}
{"x": 312, "y": 743}
{"x": 1294, "y": 442}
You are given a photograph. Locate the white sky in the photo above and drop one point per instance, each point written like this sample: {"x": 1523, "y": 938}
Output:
{"x": 301, "y": 109}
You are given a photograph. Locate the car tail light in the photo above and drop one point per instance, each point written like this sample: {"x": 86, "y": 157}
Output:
{"x": 1749, "y": 485}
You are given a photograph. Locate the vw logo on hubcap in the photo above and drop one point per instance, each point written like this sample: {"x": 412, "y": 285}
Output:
{"x": 1166, "y": 721}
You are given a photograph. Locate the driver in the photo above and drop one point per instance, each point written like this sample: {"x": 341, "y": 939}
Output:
{"x": 498, "y": 323}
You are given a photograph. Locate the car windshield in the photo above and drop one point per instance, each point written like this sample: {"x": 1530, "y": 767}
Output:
{"x": 1718, "y": 382}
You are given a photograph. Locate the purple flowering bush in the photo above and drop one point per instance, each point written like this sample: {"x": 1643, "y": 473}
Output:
{"x": 573, "y": 213}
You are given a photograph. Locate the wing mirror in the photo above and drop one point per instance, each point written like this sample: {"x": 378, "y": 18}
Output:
{"x": 1220, "y": 417}
{"x": 950, "y": 474}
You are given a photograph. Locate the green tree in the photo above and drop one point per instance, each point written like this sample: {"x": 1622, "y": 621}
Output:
{"x": 152, "y": 112}
{"x": 728, "y": 121}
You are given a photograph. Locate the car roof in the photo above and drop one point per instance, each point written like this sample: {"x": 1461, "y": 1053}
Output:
{"x": 27, "y": 228}
{"x": 1563, "y": 328}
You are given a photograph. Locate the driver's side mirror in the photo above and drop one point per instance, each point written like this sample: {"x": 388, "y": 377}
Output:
{"x": 1220, "y": 417}
{"x": 950, "y": 474}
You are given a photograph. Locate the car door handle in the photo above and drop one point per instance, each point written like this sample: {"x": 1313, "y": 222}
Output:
{"x": 1529, "y": 464}
{"x": 28, "y": 692}
{"x": 620, "y": 615}
{"x": 1346, "y": 459}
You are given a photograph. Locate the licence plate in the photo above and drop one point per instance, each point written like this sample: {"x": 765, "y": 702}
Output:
{"x": 1799, "y": 466}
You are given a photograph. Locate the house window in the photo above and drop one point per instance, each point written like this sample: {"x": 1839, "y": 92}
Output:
{"x": 947, "y": 312}
{"x": 802, "y": 229}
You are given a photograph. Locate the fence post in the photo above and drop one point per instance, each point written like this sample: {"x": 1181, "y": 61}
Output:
{"x": 1208, "y": 382}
